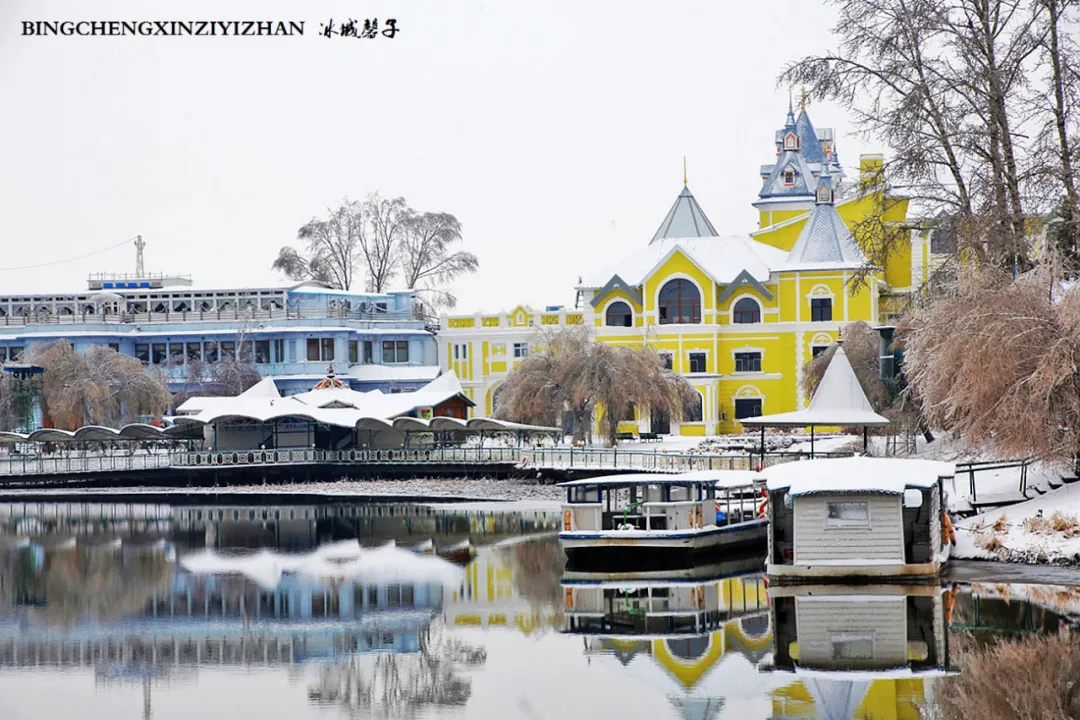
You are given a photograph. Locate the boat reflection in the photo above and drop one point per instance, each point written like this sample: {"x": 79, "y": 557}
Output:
{"x": 697, "y": 635}
{"x": 854, "y": 652}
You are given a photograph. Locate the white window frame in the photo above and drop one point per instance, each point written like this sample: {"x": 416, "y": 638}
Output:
{"x": 656, "y": 299}
{"x": 847, "y": 523}
{"x": 697, "y": 352}
{"x": 735, "y": 301}
{"x": 633, "y": 313}
{"x": 521, "y": 350}
{"x": 742, "y": 351}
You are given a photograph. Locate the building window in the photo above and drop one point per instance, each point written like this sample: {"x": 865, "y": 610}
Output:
{"x": 279, "y": 351}
{"x": 176, "y": 353}
{"x": 697, "y": 362}
{"x": 680, "y": 303}
{"x": 693, "y": 412}
{"x": 262, "y": 352}
{"x": 619, "y": 314}
{"x": 115, "y": 347}
{"x": 791, "y": 142}
{"x": 746, "y": 312}
{"x": 457, "y": 352}
{"x": 747, "y": 362}
{"x": 816, "y": 350}
{"x": 747, "y": 407}
{"x": 789, "y": 177}
{"x": 228, "y": 350}
{"x": 194, "y": 351}
{"x": 369, "y": 352}
{"x": 848, "y": 514}
{"x": 820, "y": 310}
{"x": 395, "y": 351}
{"x": 142, "y": 353}
{"x": 521, "y": 350}
{"x": 157, "y": 353}
{"x": 210, "y": 351}
{"x": 246, "y": 354}
{"x": 465, "y": 352}
{"x": 326, "y": 345}
{"x": 354, "y": 352}
{"x": 668, "y": 360}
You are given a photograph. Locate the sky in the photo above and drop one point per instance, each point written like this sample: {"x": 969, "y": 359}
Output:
{"x": 555, "y": 131}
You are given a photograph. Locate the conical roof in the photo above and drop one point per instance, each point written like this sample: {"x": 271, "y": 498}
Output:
{"x": 685, "y": 219}
{"x": 838, "y": 400}
{"x": 825, "y": 238}
{"x": 836, "y": 699}
{"x": 808, "y": 139}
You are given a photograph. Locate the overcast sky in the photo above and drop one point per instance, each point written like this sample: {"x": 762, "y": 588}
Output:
{"x": 553, "y": 130}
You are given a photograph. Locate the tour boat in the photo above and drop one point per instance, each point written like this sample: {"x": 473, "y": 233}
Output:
{"x": 634, "y": 516}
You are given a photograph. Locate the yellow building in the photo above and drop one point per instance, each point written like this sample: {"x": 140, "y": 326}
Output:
{"x": 737, "y": 316}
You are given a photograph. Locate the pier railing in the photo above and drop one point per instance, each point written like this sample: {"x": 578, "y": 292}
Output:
{"x": 522, "y": 458}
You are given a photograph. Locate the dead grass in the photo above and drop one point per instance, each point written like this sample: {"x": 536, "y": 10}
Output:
{"x": 1033, "y": 678}
{"x": 1066, "y": 525}
{"x": 1001, "y": 526}
{"x": 989, "y": 542}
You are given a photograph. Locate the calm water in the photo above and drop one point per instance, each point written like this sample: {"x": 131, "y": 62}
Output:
{"x": 139, "y": 611}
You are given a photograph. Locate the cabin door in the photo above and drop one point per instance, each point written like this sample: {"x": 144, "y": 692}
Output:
{"x": 659, "y": 423}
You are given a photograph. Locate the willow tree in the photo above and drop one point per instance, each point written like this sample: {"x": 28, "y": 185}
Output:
{"x": 572, "y": 373}
{"x": 96, "y": 387}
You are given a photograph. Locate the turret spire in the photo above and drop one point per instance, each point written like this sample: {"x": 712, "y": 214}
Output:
{"x": 684, "y": 171}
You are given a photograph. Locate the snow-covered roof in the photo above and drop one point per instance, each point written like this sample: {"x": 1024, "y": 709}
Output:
{"x": 723, "y": 259}
{"x": 723, "y": 478}
{"x": 839, "y": 400}
{"x": 374, "y": 373}
{"x": 685, "y": 219}
{"x": 263, "y": 388}
{"x": 91, "y": 433}
{"x": 856, "y": 474}
{"x": 825, "y": 241}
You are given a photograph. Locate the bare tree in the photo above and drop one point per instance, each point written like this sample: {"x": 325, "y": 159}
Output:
{"x": 572, "y": 372}
{"x": 96, "y": 387}
{"x": 331, "y": 253}
{"x": 428, "y": 261}
{"x": 381, "y": 234}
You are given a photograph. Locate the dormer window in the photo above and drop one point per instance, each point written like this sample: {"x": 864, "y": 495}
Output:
{"x": 789, "y": 177}
{"x": 791, "y": 141}
{"x": 824, "y": 193}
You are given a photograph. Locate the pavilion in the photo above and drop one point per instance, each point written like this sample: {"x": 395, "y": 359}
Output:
{"x": 839, "y": 401}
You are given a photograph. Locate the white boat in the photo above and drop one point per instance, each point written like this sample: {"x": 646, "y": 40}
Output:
{"x": 622, "y": 516}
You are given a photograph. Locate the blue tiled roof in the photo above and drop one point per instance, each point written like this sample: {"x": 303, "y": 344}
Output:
{"x": 685, "y": 219}
{"x": 808, "y": 139}
{"x": 805, "y": 184}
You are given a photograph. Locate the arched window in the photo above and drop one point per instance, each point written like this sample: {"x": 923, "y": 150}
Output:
{"x": 694, "y": 410}
{"x": 746, "y": 311}
{"x": 680, "y": 303}
{"x": 619, "y": 314}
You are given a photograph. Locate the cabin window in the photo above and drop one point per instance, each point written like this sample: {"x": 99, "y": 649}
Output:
{"x": 748, "y": 362}
{"x": 852, "y": 647}
{"x": 821, "y": 310}
{"x": 680, "y": 303}
{"x": 848, "y": 514}
{"x": 788, "y": 502}
{"x": 697, "y": 362}
{"x": 585, "y": 495}
{"x": 746, "y": 312}
{"x": 913, "y": 498}
{"x": 619, "y": 315}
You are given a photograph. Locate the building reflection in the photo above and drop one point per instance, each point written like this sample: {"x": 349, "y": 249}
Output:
{"x": 696, "y": 635}
{"x": 870, "y": 652}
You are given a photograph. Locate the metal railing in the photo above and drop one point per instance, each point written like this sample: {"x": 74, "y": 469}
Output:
{"x": 218, "y": 315}
{"x": 971, "y": 468}
{"x": 38, "y": 465}
{"x": 523, "y": 458}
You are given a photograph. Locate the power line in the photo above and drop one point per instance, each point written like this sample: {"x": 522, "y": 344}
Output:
{"x": 67, "y": 260}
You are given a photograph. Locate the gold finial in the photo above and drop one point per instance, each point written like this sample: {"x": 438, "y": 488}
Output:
{"x": 789, "y": 100}
{"x": 684, "y": 170}
{"x": 803, "y": 102}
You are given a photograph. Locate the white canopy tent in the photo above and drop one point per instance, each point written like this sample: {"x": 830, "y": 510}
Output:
{"x": 838, "y": 401}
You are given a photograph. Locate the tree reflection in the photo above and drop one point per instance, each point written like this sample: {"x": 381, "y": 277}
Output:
{"x": 391, "y": 685}
{"x": 537, "y": 567}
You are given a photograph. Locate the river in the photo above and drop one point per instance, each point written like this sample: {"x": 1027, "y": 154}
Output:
{"x": 361, "y": 610}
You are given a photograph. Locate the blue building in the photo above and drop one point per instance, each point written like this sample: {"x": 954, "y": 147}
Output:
{"x": 291, "y": 332}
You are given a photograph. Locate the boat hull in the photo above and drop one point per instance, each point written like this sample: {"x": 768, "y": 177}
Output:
{"x": 585, "y": 547}
{"x": 913, "y": 573}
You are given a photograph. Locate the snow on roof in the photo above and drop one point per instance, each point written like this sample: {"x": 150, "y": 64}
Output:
{"x": 263, "y": 388}
{"x": 856, "y": 474}
{"x": 723, "y": 259}
{"x": 374, "y": 373}
{"x": 825, "y": 239}
{"x": 724, "y": 478}
{"x": 838, "y": 400}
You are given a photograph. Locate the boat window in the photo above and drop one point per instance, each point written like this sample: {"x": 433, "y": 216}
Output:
{"x": 710, "y": 492}
{"x": 912, "y": 498}
{"x": 849, "y": 514}
{"x": 852, "y": 647}
{"x": 585, "y": 494}
{"x": 680, "y": 493}
{"x": 788, "y": 502}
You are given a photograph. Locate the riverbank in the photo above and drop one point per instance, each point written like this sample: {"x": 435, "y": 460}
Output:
{"x": 1042, "y": 531}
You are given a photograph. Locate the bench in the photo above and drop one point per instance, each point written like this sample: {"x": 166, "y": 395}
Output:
{"x": 625, "y": 436}
{"x": 650, "y": 436}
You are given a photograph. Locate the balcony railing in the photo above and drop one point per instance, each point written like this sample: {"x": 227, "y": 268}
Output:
{"x": 192, "y": 316}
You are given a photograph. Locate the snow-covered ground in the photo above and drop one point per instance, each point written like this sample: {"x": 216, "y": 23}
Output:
{"x": 1043, "y": 530}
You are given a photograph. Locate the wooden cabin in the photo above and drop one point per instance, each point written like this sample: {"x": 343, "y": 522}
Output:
{"x": 859, "y": 517}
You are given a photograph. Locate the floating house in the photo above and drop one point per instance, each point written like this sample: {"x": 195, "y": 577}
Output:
{"x": 857, "y": 655}
{"x": 856, "y": 518}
